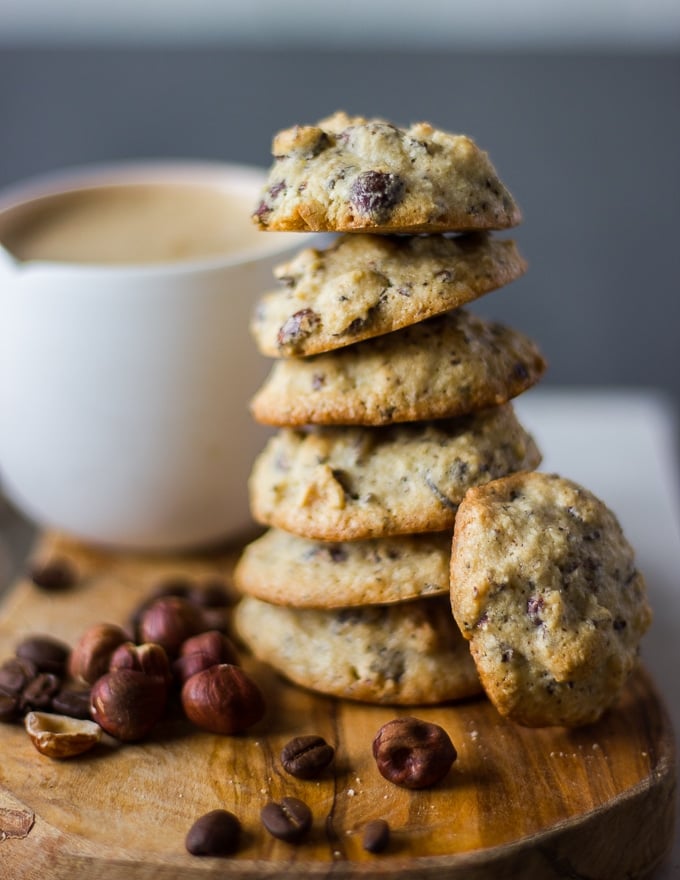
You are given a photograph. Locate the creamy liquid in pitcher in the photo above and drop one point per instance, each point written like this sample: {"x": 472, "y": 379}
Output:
{"x": 132, "y": 223}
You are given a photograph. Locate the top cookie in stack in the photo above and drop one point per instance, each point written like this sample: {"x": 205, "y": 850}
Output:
{"x": 392, "y": 401}
{"x": 350, "y": 174}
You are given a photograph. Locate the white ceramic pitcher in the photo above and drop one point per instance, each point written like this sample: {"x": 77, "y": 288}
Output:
{"x": 124, "y": 389}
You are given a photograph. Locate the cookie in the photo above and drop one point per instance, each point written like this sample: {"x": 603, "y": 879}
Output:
{"x": 544, "y": 585}
{"x": 285, "y": 569}
{"x": 349, "y": 483}
{"x": 448, "y": 366}
{"x": 348, "y": 173}
{"x": 408, "y": 653}
{"x": 367, "y": 285}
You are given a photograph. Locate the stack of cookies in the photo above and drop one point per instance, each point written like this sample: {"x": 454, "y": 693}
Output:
{"x": 391, "y": 402}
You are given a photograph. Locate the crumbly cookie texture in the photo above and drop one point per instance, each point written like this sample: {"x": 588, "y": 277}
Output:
{"x": 408, "y": 653}
{"x": 444, "y": 367}
{"x": 367, "y": 285}
{"x": 285, "y": 569}
{"x": 544, "y": 585}
{"x": 348, "y": 483}
{"x": 348, "y": 173}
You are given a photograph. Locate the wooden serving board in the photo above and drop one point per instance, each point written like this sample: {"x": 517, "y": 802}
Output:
{"x": 590, "y": 803}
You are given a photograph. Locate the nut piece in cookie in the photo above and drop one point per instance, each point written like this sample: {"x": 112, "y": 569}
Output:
{"x": 349, "y": 173}
{"x": 544, "y": 585}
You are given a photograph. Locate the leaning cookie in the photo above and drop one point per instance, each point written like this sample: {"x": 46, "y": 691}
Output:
{"x": 367, "y": 285}
{"x": 544, "y": 585}
{"x": 349, "y": 173}
{"x": 409, "y": 653}
{"x": 448, "y": 366}
{"x": 285, "y": 569}
{"x": 348, "y": 483}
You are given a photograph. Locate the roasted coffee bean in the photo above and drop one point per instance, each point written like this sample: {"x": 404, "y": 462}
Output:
{"x": 306, "y": 756}
{"x": 48, "y": 654}
{"x": 376, "y": 836}
{"x": 73, "y": 703}
{"x": 413, "y": 753}
{"x": 39, "y": 693}
{"x": 9, "y": 706}
{"x": 15, "y": 674}
{"x": 288, "y": 820}
{"x": 214, "y": 834}
{"x": 55, "y": 574}
{"x": 169, "y": 586}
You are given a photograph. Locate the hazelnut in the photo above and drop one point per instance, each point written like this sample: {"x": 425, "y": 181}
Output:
{"x": 222, "y": 699}
{"x": 413, "y": 753}
{"x": 184, "y": 667}
{"x": 214, "y": 644}
{"x": 127, "y": 703}
{"x": 203, "y": 651}
{"x": 169, "y": 621}
{"x": 59, "y": 736}
{"x": 90, "y": 657}
{"x": 217, "y": 618}
{"x": 148, "y": 658}
{"x": 213, "y": 592}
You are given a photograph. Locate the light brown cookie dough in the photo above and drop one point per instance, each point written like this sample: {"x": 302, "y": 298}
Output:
{"x": 448, "y": 366}
{"x": 285, "y": 569}
{"x": 367, "y": 285}
{"x": 349, "y": 173}
{"x": 544, "y": 585}
{"x": 346, "y": 484}
{"x": 409, "y": 653}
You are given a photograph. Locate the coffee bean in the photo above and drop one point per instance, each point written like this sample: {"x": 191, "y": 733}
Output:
{"x": 306, "y": 756}
{"x": 9, "y": 706}
{"x": 214, "y": 834}
{"x": 376, "y": 836}
{"x": 39, "y": 693}
{"x": 413, "y": 753}
{"x": 289, "y": 820}
{"x": 55, "y": 574}
{"x": 73, "y": 703}
{"x": 48, "y": 654}
{"x": 15, "y": 674}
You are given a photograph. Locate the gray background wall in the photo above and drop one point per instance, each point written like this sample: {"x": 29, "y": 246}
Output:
{"x": 587, "y": 140}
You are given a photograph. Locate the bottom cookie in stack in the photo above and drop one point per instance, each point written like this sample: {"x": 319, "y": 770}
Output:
{"x": 364, "y": 620}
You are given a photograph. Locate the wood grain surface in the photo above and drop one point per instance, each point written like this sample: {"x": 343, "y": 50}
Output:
{"x": 593, "y": 803}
